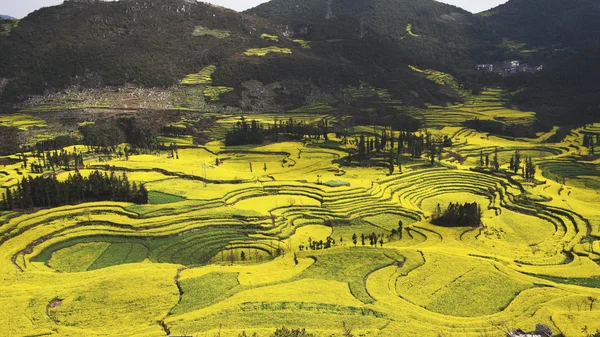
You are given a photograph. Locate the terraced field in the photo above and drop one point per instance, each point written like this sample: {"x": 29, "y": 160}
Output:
{"x": 489, "y": 105}
{"x": 229, "y": 250}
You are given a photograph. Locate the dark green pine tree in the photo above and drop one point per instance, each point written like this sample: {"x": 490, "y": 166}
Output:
{"x": 495, "y": 162}
{"x": 10, "y": 202}
{"x": 143, "y": 195}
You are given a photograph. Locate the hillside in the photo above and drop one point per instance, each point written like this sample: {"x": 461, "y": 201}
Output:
{"x": 80, "y": 46}
{"x": 428, "y": 32}
{"x": 546, "y": 29}
{"x": 147, "y": 43}
{"x": 6, "y": 17}
{"x": 566, "y": 93}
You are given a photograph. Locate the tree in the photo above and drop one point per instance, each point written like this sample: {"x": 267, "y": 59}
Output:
{"x": 517, "y": 162}
{"x": 481, "y": 162}
{"x": 592, "y": 299}
{"x": 346, "y": 330}
{"x": 265, "y": 167}
{"x": 432, "y": 154}
{"x": 354, "y": 239}
{"x": 391, "y": 163}
{"x": 495, "y": 162}
{"x": 590, "y": 241}
{"x": 10, "y": 203}
{"x": 243, "y": 256}
{"x": 143, "y": 195}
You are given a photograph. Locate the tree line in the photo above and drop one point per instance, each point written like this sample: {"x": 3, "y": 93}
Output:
{"x": 591, "y": 141}
{"x": 458, "y": 215}
{"x": 40, "y": 192}
{"x": 253, "y": 132}
{"x": 527, "y": 167}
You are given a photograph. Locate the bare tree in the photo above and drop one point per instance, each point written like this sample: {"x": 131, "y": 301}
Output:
{"x": 592, "y": 299}
{"x": 346, "y": 330}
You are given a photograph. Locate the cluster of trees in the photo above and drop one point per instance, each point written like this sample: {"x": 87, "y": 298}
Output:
{"x": 527, "y": 167}
{"x": 107, "y": 135}
{"x": 253, "y": 132}
{"x": 405, "y": 143}
{"x": 590, "y": 141}
{"x": 318, "y": 245}
{"x": 484, "y": 160}
{"x": 374, "y": 239}
{"x": 283, "y": 332}
{"x": 58, "y": 142}
{"x": 244, "y": 133}
{"x": 458, "y": 215}
{"x": 51, "y": 160}
{"x": 50, "y": 192}
{"x": 9, "y": 140}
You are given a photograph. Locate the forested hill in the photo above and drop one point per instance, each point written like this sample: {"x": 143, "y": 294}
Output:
{"x": 145, "y": 42}
{"x": 567, "y": 93}
{"x": 157, "y": 43}
{"x": 548, "y": 27}
{"x": 430, "y": 33}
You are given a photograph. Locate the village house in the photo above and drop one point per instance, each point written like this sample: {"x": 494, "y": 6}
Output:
{"x": 541, "y": 330}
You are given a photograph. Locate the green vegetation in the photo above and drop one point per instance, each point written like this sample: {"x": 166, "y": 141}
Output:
{"x": 210, "y": 192}
{"x": 205, "y": 291}
{"x": 219, "y": 34}
{"x": 203, "y": 77}
{"x": 160, "y": 198}
{"x": 265, "y": 51}
{"x": 304, "y": 44}
{"x": 270, "y": 37}
{"x": 339, "y": 266}
{"x": 410, "y": 32}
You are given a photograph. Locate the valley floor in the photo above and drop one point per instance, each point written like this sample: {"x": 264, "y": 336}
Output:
{"x": 227, "y": 251}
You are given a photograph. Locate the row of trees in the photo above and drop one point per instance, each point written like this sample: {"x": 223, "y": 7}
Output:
{"x": 374, "y": 239}
{"x": 108, "y": 134}
{"x": 484, "y": 161}
{"x": 591, "y": 141}
{"x": 527, "y": 167}
{"x": 458, "y": 215}
{"x": 50, "y": 192}
{"x": 50, "y": 160}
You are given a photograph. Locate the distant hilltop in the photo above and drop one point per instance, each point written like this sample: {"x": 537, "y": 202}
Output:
{"x": 6, "y": 17}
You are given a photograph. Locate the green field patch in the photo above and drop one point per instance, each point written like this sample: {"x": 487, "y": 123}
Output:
{"x": 389, "y": 221}
{"x": 559, "y": 170}
{"x": 590, "y": 282}
{"x": 205, "y": 291}
{"x": 78, "y": 257}
{"x": 192, "y": 248}
{"x": 118, "y": 253}
{"x": 160, "y": 198}
{"x": 340, "y": 265}
{"x": 219, "y": 34}
{"x": 459, "y": 287}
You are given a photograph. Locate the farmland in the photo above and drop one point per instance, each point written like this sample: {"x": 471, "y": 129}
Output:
{"x": 294, "y": 233}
